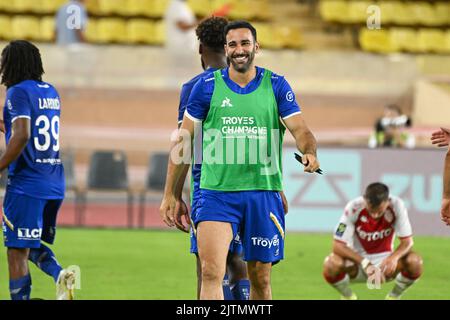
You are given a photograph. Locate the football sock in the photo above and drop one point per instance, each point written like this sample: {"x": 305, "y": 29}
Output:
{"x": 227, "y": 295}
{"x": 402, "y": 283}
{"x": 20, "y": 289}
{"x": 341, "y": 283}
{"x": 241, "y": 290}
{"x": 45, "y": 259}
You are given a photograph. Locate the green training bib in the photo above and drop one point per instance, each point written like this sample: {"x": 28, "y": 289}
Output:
{"x": 242, "y": 139}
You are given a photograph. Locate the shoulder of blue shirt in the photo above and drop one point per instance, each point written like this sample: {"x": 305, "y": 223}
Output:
{"x": 207, "y": 79}
{"x": 186, "y": 90}
{"x": 279, "y": 85}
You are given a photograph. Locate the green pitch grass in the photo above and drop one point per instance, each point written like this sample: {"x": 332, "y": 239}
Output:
{"x": 122, "y": 264}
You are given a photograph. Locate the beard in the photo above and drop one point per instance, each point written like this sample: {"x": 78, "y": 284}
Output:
{"x": 245, "y": 66}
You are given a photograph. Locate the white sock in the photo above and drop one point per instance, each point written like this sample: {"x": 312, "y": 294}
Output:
{"x": 343, "y": 286}
{"x": 401, "y": 284}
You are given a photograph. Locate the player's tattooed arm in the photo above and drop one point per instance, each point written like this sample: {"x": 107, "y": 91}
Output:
{"x": 19, "y": 139}
{"x": 2, "y": 126}
{"x": 305, "y": 140}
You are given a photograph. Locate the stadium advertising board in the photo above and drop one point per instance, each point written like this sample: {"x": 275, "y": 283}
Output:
{"x": 317, "y": 201}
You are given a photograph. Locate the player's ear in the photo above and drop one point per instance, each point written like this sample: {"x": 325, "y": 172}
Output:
{"x": 256, "y": 47}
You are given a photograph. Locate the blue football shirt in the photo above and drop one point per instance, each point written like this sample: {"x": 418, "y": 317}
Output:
{"x": 38, "y": 172}
{"x": 184, "y": 99}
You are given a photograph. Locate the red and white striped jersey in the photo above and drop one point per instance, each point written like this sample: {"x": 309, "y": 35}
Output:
{"x": 369, "y": 236}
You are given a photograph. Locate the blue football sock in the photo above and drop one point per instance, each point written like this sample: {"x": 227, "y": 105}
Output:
{"x": 227, "y": 295}
{"x": 20, "y": 289}
{"x": 45, "y": 259}
{"x": 241, "y": 290}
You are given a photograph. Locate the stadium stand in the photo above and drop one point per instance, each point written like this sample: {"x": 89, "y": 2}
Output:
{"x": 155, "y": 181}
{"x": 108, "y": 172}
{"x": 427, "y": 23}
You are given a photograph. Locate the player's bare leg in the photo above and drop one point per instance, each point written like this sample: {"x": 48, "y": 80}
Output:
{"x": 18, "y": 262}
{"x": 410, "y": 268}
{"x": 259, "y": 274}
{"x": 338, "y": 275}
{"x": 213, "y": 240}
{"x": 18, "y": 271}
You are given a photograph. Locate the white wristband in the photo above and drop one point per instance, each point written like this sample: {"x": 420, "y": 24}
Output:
{"x": 365, "y": 263}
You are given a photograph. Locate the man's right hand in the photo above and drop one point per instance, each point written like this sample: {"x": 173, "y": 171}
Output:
{"x": 169, "y": 206}
{"x": 182, "y": 211}
{"x": 441, "y": 138}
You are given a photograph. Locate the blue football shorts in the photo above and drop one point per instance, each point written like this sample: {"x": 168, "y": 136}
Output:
{"x": 235, "y": 245}
{"x": 27, "y": 221}
{"x": 257, "y": 218}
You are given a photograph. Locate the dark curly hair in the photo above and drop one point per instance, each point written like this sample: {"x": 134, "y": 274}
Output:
{"x": 210, "y": 33}
{"x": 21, "y": 60}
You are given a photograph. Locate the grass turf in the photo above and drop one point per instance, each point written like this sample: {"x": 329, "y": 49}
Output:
{"x": 123, "y": 264}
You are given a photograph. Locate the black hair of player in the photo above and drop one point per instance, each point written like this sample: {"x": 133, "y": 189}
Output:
{"x": 241, "y": 24}
{"x": 376, "y": 193}
{"x": 210, "y": 33}
{"x": 21, "y": 60}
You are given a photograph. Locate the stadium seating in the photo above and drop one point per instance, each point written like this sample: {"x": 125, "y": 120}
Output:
{"x": 447, "y": 42}
{"x": 108, "y": 172}
{"x": 111, "y": 30}
{"x": 431, "y": 40}
{"x": 357, "y": 11}
{"x": 404, "y": 39}
{"x": 376, "y": 41}
{"x": 109, "y": 7}
{"x": 267, "y": 37}
{"x": 49, "y": 6}
{"x": 91, "y": 31}
{"x": 68, "y": 161}
{"x": 25, "y": 27}
{"x": 201, "y": 7}
{"x": 442, "y": 13}
{"x": 402, "y": 13}
{"x": 243, "y": 9}
{"x": 334, "y": 10}
{"x": 160, "y": 33}
{"x": 155, "y": 181}
{"x": 141, "y": 31}
{"x": 21, "y": 6}
{"x": 141, "y": 7}
{"x": 47, "y": 28}
{"x": 159, "y": 8}
{"x": 289, "y": 36}
{"x": 5, "y": 27}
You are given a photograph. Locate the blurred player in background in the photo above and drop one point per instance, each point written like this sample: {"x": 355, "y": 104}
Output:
{"x": 363, "y": 244}
{"x": 210, "y": 33}
{"x": 71, "y": 22}
{"x": 441, "y": 138}
{"x": 242, "y": 101}
{"x": 36, "y": 184}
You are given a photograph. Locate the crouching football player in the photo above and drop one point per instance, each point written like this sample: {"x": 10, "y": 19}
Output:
{"x": 363, "y": 245}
